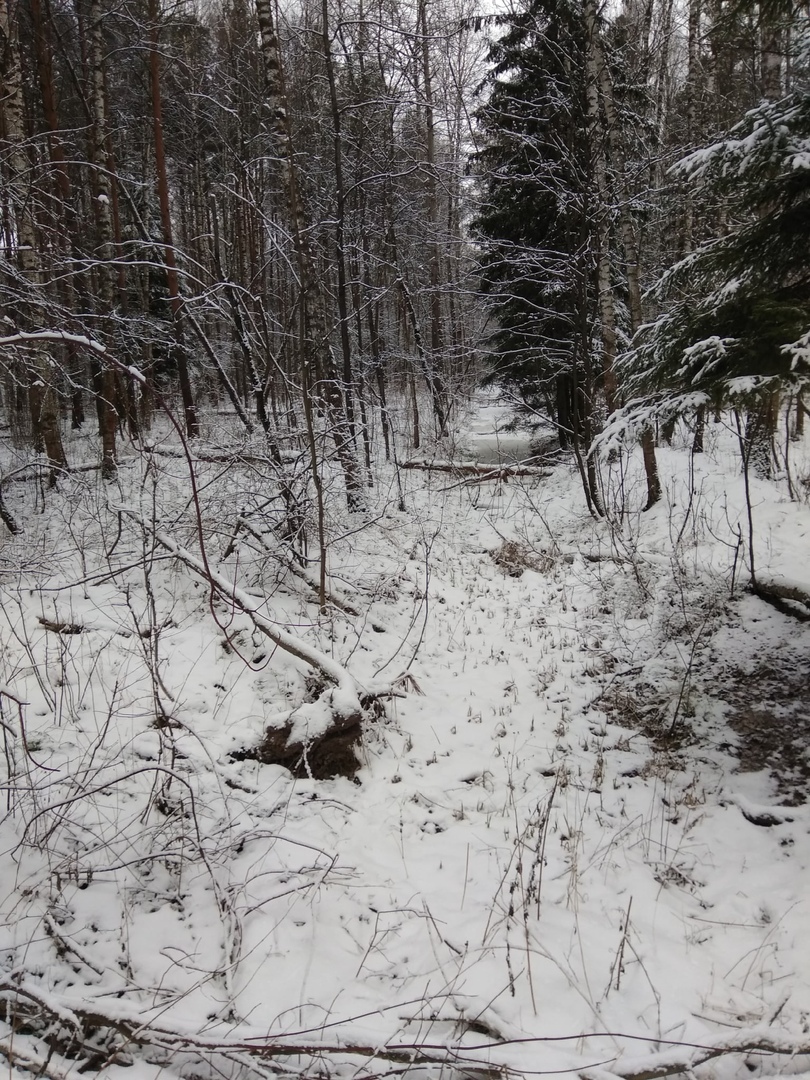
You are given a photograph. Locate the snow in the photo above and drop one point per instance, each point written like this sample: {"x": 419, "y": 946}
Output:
{"x": 490, "y": 438}
{"x": 550, "y": 860}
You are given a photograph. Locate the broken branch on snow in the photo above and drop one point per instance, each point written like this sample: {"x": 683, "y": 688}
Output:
{"x": 81, "y": 1020}
{"x": 473, "y": 468}
{"x": 318, "y": 739}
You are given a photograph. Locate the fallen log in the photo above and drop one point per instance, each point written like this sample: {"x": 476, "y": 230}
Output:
{"x": 223, "y": 457}
{"x": 476, "y": 469}
{"x": 789, "y": 597}
{"x": 57, "y": 626}
{"x": 36, "y": 469}
{"x": 80, "y": 1018}
{"x": 319, "y": 738}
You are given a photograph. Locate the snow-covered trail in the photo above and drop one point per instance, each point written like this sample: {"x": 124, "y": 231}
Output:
{"x": 548, "y": 837}
{"x": 489, "y": 435}
{"x": 516, "y": 856}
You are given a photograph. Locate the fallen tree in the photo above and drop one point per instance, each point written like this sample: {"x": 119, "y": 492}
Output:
{"x": 790, "y": 597}
{"x": 319, "y": 738}
{"x": 93, "y": 1032}
{"x": 475, "y": 469}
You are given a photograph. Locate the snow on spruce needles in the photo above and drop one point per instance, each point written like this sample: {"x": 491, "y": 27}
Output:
{"x": 550, "y": 860}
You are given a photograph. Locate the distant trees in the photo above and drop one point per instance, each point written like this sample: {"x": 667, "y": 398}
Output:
{"x": 733, "y": 317}
{"x": 610, "y": 273}
{"x": 534, "y": 220}
{"x": 148, "y": 205}
{"x": 316, "y": 243}
{"x": 25, "y": 282}
{"x": 737, "y": 320}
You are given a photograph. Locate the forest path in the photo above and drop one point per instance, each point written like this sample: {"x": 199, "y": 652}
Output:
{"x": 490, "y": 438}
{"x": 551, "y": 838}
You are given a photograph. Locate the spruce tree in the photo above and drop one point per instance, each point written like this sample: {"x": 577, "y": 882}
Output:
{"x": 534, "y": 225}
{"x": 737, "y": 318}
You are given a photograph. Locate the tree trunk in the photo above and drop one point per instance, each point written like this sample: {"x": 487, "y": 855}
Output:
{"x": 104, "y": 233}
{"x": 43, "y": 402}
{"x": 772, "y": 47}
{"x": 760, "y": 427}
{"x": 316, "y": 355}
{"x": 604, "y": 276}
{"x": 691, "y": 115}
{"x": 662, "y": 89}
{"x": 436, "y": 381}
{"x": 628, "y": 235}
{"x": 340, "y": 222}
{"x": 175, "y": 303}
{"x": 700, "y": 430}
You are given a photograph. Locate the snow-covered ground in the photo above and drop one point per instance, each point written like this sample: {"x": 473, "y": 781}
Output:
{"x": 490, "y": 437}
{"x": 563, "y": 852}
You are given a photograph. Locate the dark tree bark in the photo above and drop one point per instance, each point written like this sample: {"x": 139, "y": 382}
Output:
{"x": 42, "y": 396}
{"x": 316, "y": 353}
{"x": 169, "y": 260}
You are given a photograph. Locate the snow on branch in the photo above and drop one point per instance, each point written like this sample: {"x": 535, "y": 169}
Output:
{"x": 80, "y": 1019}
{"x": 683, "y": 1057}
{"x": 23, "y": 337}
{"x": 318, "y": 738}
{"x": 347, "y": 693}
{"x": 772, "y": 133}
{"x": 627, "y": 423}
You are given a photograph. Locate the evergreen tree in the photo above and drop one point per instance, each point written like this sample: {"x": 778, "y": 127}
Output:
{"x": 535, "y": 222}
{"x": 738, "y": 317}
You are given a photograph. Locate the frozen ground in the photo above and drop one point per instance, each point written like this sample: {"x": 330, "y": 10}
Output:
{"x": 490, "y": 437}
{"x": 564, "y": 851}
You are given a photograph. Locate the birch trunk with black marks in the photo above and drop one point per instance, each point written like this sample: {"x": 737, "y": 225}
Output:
{"x": 604, "y": 273}
{"x": 340, "y": 221}
{"x": 692, "y": 75}
{"x": 104, "y": 375}
{"x": 435, "y": 381}
{"x": 632, "y": 261}
{"x": 762, "y": 422}
{"x": 172, "y": 280}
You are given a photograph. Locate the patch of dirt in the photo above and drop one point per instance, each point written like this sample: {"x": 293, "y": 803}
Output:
{"x": 770, "y": 712}
{"x": 640, "y": 707}
{"x": 334, "y": 753}
{"x": 761, "y": 674}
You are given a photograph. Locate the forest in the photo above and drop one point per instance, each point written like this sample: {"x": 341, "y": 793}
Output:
{"x": 404, "y": 533}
